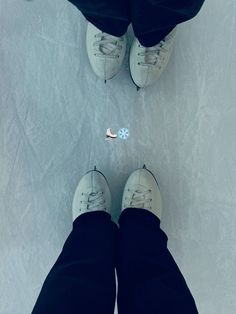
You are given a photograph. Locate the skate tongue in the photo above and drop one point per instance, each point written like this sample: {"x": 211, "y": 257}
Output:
{"x": 107, "y": 48}
{"x": 151, "y": 55}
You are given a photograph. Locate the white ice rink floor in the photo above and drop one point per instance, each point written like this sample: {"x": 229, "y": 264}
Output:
{"x": 54, "y": 113}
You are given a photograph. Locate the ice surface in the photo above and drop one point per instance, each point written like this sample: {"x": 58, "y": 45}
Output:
{"x": 54, "y": 113}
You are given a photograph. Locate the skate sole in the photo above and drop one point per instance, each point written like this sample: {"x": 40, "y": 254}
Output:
{"x": 144, "y": 167}
{"x": 137, "y": 87}
{"x": 95, "y": 169}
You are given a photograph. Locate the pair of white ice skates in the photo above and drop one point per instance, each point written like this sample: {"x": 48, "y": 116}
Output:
{"x": 93, "y": 193}
{"x": 106, "y": 54}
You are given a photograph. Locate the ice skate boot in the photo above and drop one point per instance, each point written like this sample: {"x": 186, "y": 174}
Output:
{"x": 148, "y": 63}
{"x": 105, "y": 52}
{"x": 142, "y": 191}
{"x": 92, "y": 194}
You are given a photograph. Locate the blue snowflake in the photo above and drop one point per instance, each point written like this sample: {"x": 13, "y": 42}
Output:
{"x": 123, "y": 133}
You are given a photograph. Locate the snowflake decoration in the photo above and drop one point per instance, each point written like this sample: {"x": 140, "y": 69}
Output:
{"x": 123, "y": 133}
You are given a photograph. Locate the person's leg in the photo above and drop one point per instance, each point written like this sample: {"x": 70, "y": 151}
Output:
{"x": 110, "y": 16}
{"x": 153, "y": 20}
{"x": 83, "y": 278}
{"x": 149, "y": 281}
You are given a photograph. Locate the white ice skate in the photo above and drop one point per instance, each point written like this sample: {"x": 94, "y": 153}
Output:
{"x": 92, "y": 194}
{"x": 148, "y": 63}
{"x": 142, "y": 191}
{"x": 105, "y": 52}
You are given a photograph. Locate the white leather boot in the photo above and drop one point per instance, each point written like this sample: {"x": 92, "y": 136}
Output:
{"x": 92, "y": 194}
{"x": 105, "y": 52}
{"x": 142, "y": 191}
{"x": 148, "y": 63}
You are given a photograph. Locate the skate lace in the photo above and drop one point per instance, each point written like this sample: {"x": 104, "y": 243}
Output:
{"x": 93, "y": 200}
{"x": 138, "y": 198}
{"x": 153, "y": 54}
{"x": 107, "y": 45}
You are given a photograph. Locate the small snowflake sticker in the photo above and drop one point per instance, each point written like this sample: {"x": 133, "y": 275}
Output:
{"x": 123, "y": 133}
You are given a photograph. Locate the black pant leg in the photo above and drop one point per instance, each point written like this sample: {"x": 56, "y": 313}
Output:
{"x": 153, "y": 19}
{"x": 149, "y": 280}
{"x": 82, "y": 281}
{"x": 111, "y": 16}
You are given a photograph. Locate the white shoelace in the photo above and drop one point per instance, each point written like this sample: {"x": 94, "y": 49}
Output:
{"x": 94, "y": 201}
{"x": 138, "y": 199}
{"x": 107, "y": 45}
{"x": 152, "y": 54}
